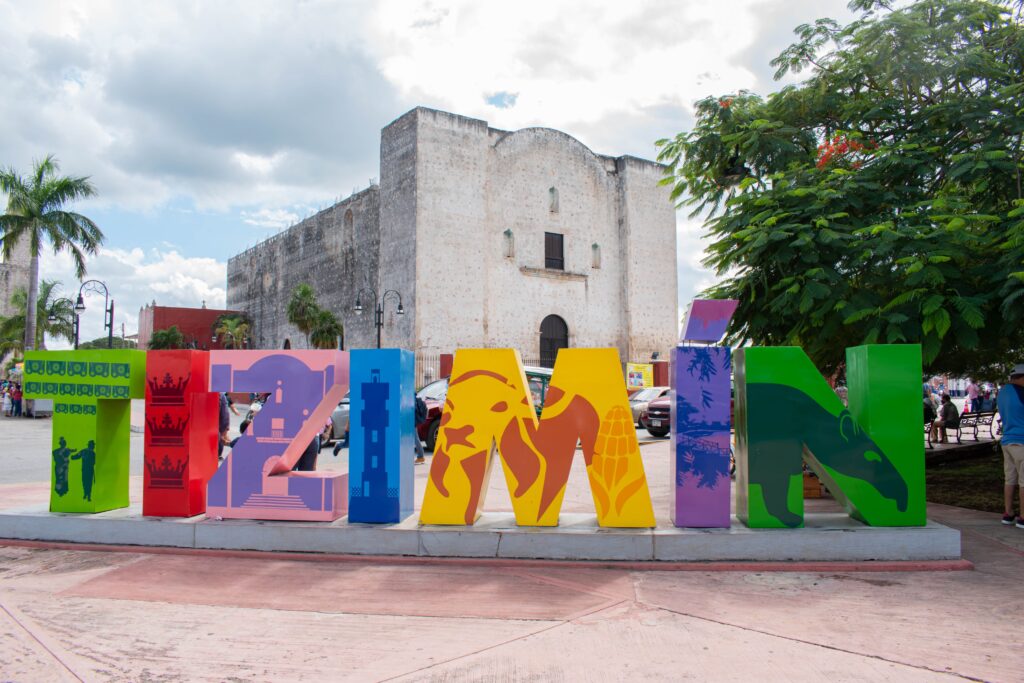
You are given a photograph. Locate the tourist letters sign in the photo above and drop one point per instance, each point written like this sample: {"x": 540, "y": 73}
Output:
{"x": 870, "y": 453}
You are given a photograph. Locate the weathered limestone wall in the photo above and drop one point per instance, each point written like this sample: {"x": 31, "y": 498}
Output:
{"x": 650, "y": 273}
{"x": 451, "y": 231}
{"x": 525, "y": 166}
{"x": 13, "y": 276}
{"x": 398, "y": 239}
{"x": 335, "y": 251}
{"x": 435, "y": 231}
{"x": 473, "y": 183}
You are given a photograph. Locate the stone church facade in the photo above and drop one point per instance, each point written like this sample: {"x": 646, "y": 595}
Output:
{"x": 523, "y": 239}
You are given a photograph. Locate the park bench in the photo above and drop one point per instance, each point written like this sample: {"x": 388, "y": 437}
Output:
{"x": 973, "y": 421}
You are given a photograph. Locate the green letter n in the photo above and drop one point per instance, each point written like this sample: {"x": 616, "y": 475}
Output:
{"x": 870, "y": 456}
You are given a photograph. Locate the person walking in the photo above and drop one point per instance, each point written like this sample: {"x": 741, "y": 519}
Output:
{"x": 420, "y": 418}
{"x": 1011, "y": 412}
{"x": 227, "y": 406}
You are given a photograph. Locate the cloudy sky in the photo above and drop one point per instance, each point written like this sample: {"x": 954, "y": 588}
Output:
{"x": 208, "y": 126}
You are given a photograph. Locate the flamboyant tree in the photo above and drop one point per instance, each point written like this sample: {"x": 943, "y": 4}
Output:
{"x": 879, "y": 200}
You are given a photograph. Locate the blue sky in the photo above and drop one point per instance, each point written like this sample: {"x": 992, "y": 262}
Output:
{"x": 207, "y": 127}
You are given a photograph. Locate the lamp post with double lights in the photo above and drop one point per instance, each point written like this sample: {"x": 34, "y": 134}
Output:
{"x": 378, "y": 320}
{"x": 51, "y": 316}
{"x": 97, "y": 287}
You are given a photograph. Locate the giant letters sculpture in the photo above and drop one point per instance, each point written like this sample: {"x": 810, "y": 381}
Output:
{"x": 870, "y": 456}
{"x": 256, "y": 481}
{"x": 381, "y": 433}
{"x": 91, "y": 392}
{"x": 699, "y": 457}
{"x": 181, "y": 433}
{"x": 488, "y": 402}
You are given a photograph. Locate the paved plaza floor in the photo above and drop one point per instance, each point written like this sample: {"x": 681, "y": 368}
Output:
{"x": 72, "y": 614}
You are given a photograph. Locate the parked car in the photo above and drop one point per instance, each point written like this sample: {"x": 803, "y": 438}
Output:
{"x": 339, "y": 421}
{"x": 638, "y": 401}
{"x": 656, "y": 418}
{"x": 434, "y": 394}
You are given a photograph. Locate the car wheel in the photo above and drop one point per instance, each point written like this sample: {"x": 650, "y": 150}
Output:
{"x": 432, "y": 435}
{"x": 657, "y": 432}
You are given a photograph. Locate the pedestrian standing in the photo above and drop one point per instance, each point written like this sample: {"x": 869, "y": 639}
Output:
{"x": 223, "y": 424}
{"x": 420, "y": 416}
{"x": 16, "y": 400}
{"x": 1011, "y": 412}
{"x": 973, "y": 396}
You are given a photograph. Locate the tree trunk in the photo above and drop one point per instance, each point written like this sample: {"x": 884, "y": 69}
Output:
{"x": 31, "y": 305}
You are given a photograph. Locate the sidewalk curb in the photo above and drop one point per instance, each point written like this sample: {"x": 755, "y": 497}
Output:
{"x": 653, "y": 565}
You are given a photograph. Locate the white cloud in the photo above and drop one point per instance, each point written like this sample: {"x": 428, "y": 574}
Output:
{"x": 262, "y": 108}
{"x": 576, "y": 61}
{"x": 270, "y": 218}
{"x": 136, "y": 278}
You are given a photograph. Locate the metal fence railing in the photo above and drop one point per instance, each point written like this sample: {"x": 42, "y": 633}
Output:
{"x": 428, "y": 368}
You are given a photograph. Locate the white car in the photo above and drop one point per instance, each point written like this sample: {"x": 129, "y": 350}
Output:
{"x": 638, "y": 401}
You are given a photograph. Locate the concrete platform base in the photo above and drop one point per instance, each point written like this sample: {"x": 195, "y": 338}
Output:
{"x": 826, "y": 537}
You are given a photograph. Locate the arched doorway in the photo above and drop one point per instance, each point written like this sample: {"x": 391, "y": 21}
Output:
{"x": 554, "y": 335}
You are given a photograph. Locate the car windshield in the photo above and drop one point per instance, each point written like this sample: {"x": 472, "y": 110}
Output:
{"x": 435, "y": 391}
{"x": 645, "y": 394}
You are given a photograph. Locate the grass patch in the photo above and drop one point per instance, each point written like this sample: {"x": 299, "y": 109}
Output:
{"x": 976, "y": 483}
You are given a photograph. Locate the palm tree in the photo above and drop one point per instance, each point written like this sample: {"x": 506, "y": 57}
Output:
{"x": 303, "y": 310}
{"x": 326, "y": 331}
{"x": 171, "y": 338}
{"x": 35, "y": 212}
{"x": 12, "y": 329}
{"x": 234, "y": 329}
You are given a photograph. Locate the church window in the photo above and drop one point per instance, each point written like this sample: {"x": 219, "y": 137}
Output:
{"x": 510, "y": 244}
{"x": 554, "y": 335}
{"x": 595, "y": 255}
{"x": 552, "y": 200}
{"x": 554, "y": 255}
{"x": 349, "y": 220}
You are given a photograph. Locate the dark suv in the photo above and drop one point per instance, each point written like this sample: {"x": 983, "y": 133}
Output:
{"x": 433, "y": 395}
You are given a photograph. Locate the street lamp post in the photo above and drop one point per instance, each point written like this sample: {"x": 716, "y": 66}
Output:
{"x": 95, "y": 286}
{"x": 51, "y": 316}
{"x": 378, "y": 319}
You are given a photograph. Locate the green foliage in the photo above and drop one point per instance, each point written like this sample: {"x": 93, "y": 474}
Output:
{"x": 881, "y": 199}
{"x": 303, "y": 309}
{"x": 320, "y": 326}
{"x": 36, "y": 214}
{"x": 233, "y": 330}
{"x": 326, "y": 331}
{"x": 170, "y": 338}
{"x": 101, "y": 343}
{"x": 12, "y": 329}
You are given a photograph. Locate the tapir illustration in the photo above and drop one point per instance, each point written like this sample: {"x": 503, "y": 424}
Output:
{"x": 782, "y": 419}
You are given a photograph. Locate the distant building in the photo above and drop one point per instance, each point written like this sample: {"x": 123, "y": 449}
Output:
{"x": 195, "y": 324}
{"x": 13, "y": 276}
{"x": 524, "y": 239}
